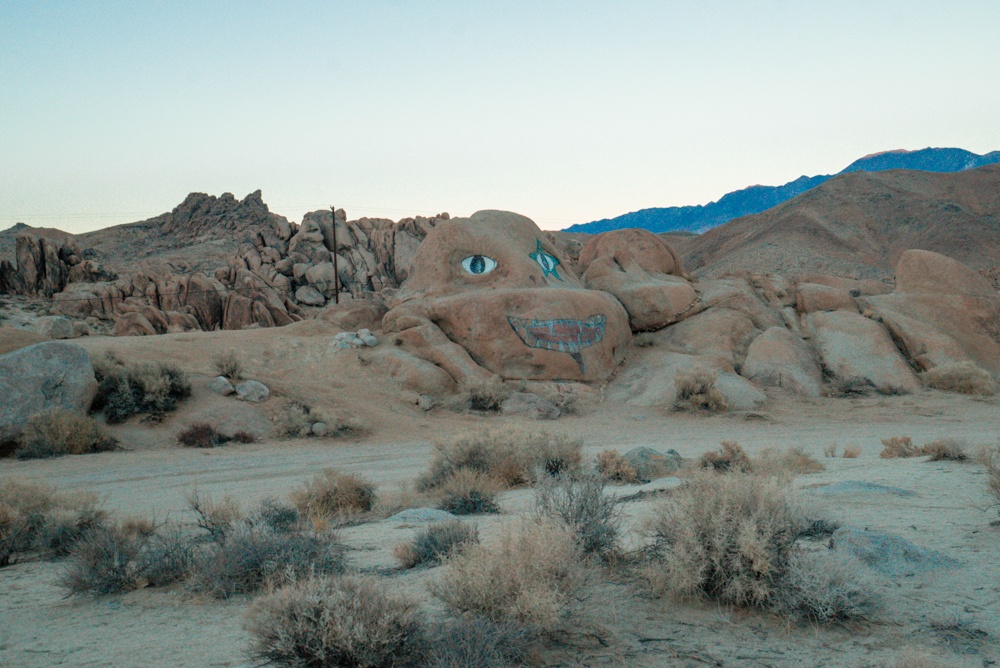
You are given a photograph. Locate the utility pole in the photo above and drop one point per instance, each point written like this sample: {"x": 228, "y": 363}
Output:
{"x": 336, "y": 275}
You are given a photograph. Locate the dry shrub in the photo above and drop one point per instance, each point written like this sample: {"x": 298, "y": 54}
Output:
{"x": 125, "y": 390}
{"x": 34, "y": 518}
{"x": 243, "y": 437}
{"x": 115, "y": 560}
{"x": 467, "y": 492}
{"x": 830, "y": 450}
{"x": 898, "y": 446}
{"x": 850, "y": 387}
{"x": 435, "y": 543}
{"x": 794, "y": 460}
{"x": 297, "y": 419}
{"x": 727, "y": 537}
{"x": 199, "y": 435}
{"x": 730, "y": 457}
{"x": 59, "y": 432}
{"x": 963, "y": 377}
{"x": 696, "y": 391}
{"x": 478, "y": 643}
{"x": 486, "y": 395}
{"x": 336, "y": 621}
{"x": 334, "y": 494}
{"x": 613, "y": 467}
{"x": 216, "y": 517}
{"x": 581, "y": 505}
{"x": 528, "y": 576}
{"x": 945, "y": 449}
{"x": 229, "y": 364}
{"x": 852, "y": 452}
{"x": 826, "y": 588}
{"x": 253, "y": 556}
{"x": 989, "y": 457}
{"x": 513, "y": 456}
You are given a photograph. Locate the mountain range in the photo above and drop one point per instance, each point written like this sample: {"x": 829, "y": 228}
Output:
{"x": 757, "y": 199}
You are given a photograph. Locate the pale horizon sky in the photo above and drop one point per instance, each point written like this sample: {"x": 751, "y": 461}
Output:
{"x": 565, "y": 112}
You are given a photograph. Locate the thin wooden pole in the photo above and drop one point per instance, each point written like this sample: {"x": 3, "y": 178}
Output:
{"x": 336, "y": 275}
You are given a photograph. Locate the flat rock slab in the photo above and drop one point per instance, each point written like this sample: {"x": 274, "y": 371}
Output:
{"x": 635, "y": 492}
{"x": 415, "y": 515}
{"x": 851, "y": 487}
{"x": 889, "y": 554}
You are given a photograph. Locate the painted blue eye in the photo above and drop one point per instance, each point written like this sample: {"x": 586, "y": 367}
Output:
{"x": 478, "y": 265}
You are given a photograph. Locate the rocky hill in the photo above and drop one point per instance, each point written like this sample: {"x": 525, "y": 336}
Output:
{"x": 757, "y": 199}
{"x": 858, "y": 224}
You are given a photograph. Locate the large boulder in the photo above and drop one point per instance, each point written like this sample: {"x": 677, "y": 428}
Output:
{"x": 503, "y": 301}
{"x": 643, "y": 272}
{"x": 855, "y": 349}
{"x": 941, "y": 312}
{"x": 55, "y": 327}
{"x": 813, "y": 297}
{"x": 779, "y": 358}
{"x": 719, "y": 334}
{"x": 42, "y": 377}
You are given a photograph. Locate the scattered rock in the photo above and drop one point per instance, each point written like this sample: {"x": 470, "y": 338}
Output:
{"x": 319, "y": 429}
{"x": 427, "y": 402}
{"x": 221, "y": 385}
{"x": 889, "y": 554}
{"x": 252, "y": 390}
{"x": 649, "y": 463}
{"x": 526, "y": 404}
{"x": 353, "y": 340}
{"x": 42, "y": 377}
{"x": 309, "y": 296}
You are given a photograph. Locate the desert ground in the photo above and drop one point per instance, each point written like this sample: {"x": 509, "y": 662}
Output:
{"x": 946, "y": 616}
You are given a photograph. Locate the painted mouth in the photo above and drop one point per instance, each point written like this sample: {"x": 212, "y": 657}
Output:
{"x": 566, "y": 336}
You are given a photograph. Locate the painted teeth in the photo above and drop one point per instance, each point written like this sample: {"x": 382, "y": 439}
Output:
{"x": 563, "y": 335}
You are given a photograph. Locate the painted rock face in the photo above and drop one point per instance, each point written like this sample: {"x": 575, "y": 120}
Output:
{"x": 496, "y": 285}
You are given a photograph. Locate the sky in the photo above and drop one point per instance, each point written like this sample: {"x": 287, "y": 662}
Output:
{"x": 567, "y": 112}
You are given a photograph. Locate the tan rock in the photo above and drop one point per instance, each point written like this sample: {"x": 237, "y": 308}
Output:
{"x": 779, "y": 358}
{"x": 856, "y": 349}
{"x": 813, "y": 297}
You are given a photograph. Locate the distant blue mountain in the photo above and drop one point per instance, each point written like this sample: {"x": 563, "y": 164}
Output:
{"x": 756, "y": 199}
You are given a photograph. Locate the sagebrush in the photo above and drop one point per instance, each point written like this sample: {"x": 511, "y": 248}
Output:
{"x": 580, "y": 504}
{"x": 696, "y": 391}
{"x": 37, "y": 520}
{"x": 613, "y": 467}
{"x": 468, "y": 492}
{"x": 127, "y": 389}
{"x": 60, "y": 432}
{"x": 334, "y": 494}
{"x": 435, "y": 543}
{"x": 962, "y": 377}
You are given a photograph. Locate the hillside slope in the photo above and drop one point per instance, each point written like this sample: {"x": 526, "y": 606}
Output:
{"x": 858, "y": 224}
{"x": 757, "y": 199}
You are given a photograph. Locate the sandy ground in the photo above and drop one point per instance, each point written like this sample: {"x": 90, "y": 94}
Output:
{"x": 949, "y": 513}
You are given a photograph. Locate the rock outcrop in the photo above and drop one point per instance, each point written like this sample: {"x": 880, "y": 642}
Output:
{"x": 44, "y": 266}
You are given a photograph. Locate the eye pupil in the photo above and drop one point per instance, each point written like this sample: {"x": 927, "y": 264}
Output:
{"x": 478, "y": 264}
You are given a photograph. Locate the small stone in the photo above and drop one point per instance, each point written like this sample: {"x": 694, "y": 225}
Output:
{"x": 363, "y": 332}
{"x": 427, "y": 402}
{"x": 221, "y": 385}
{"x": 252, "y": 390}
{"x": 889, "y": 554}
{"x": 319, "y": 429}
{"x": 369, "y": 340}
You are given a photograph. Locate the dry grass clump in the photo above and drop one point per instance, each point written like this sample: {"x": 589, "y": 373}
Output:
{"x": 333, "y": 494}
{"x": 852, "y": 452}
{"x": 215, "y": 517}
{"x": 898, "y": 446}
{"x": 830, "y": 450}
{"x": 254, "y": 555}
{"x": 826, "y": 588}
{"x": 945, "y": 449}
{"x": 726, "y": 537}
{"x": 581, "y": 505}
{"x": 478, "y": 643}
{"x": 989, "y": 457}
{"x": 243, "y": 437}
{"x": 486, "y": 395}
{"x": 199, "y": 435}
{"x": 115, "y": 560}
{"x": 336, "y": 621}
{"x": 794, "y": 460}
{"x": 59, "y": 432}
{"x": 613, "y": 467}
{"x": 963, "y": 377}
{"x": 229, "y": 364}
{"x": 730, "y": 457}
{"x": 435, "y": 543}
{"x": 696, "y": 391}
{"x": 35, "y": 519}
{"x": 511, "y": 455}
{"x": 528, "y": 576}
{"x": 467, "y": 492}
{"x": 296, "y": 420}
{"x": 125, "y": 390}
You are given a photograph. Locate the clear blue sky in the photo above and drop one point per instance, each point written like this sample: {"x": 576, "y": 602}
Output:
{"x": 566, "y": 112}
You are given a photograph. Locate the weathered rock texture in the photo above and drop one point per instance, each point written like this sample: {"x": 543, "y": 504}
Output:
{"x": 44, "y": 266}
{"x": 42, "y": 377}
